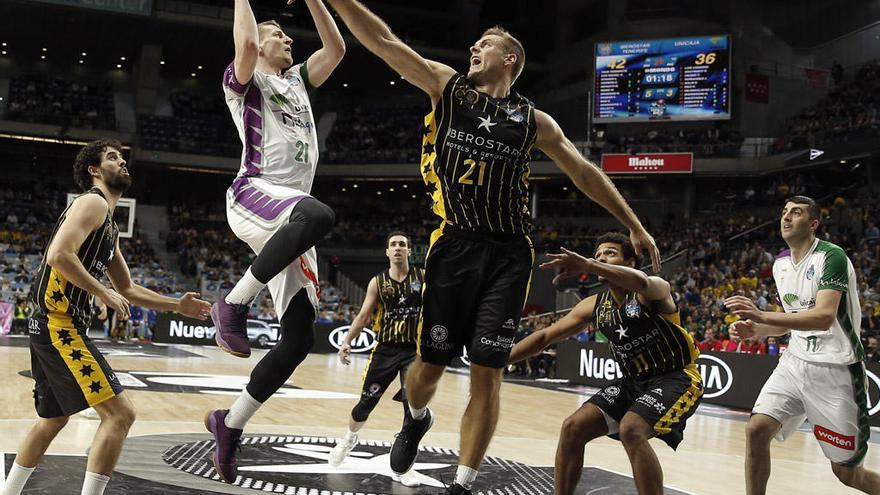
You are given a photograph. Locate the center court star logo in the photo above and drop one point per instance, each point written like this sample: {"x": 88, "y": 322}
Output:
{"x": 621, "y": 331}
{"x": 486, "y": 123}
{"x": 358, "y": 462}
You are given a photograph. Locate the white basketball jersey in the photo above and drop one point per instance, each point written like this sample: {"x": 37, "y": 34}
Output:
{"x": 825, "y": 266}
{"x": 276, "y": 126}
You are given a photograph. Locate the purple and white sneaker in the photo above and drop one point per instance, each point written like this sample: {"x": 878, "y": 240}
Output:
{"x": 230, "y": 320}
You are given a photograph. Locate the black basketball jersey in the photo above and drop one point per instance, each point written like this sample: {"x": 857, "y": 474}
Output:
{"x": 644, "y": 342}
{"x": 396, "y": 319}
{"x": 475, "y": 154}
{"x": 58, "y": 301}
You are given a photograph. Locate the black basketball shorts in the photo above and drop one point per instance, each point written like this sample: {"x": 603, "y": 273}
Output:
{"x": 476, "y": 285}
{"x": 70, "y": 373}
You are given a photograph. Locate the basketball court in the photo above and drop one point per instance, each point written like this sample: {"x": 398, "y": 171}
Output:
{"x": 287, "y": 443}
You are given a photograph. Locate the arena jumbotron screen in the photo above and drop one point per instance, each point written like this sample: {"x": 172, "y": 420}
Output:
{"x": 665, "y": 79}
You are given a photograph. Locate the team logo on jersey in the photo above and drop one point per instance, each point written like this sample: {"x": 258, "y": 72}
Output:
{"x": 633, "y": 309}
{"x": 790, "y": 298}
{"x": 605, "y": 313}
{"x": 486, "y": 123}
{"x": 811, "y": 272}
{"x": 416, "y": 285}
{"x": 387, "y": 289}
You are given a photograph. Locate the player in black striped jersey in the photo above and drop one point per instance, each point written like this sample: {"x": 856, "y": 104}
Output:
{"x": 475, "y": 158}
{"x": 392, "y": 303}
{"x": 70, "y": 372}
{"x": 661, "y": 386}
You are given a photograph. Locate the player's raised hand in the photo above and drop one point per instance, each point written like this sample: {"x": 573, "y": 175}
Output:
{"x": 190, "y": 305}
{"x": 116, "y": 302}
{"x": 743, "y": 307}
{"x": 741, "y": 329}
{"x": 571, "y": 264}
{"x": 640, "y": 240}
{"x": 344, "y": 353}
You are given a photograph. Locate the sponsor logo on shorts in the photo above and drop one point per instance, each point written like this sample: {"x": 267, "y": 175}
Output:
{"x": 509, "y": 325}
{"x": 33, "y": 327}
{"x": 610, "y": 393}
{"x": 500, "y": 342}
{"x": 652, "y": 402}
{"x": 830, "y": 436}
{"x": 658, "y": 391}
{"x": 439, "y": 334}
{"x": 372, "y": 390}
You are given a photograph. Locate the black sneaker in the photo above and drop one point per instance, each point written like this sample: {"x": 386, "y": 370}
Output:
{"x": 456, "y": 489}
{"x": 406, "y": 443}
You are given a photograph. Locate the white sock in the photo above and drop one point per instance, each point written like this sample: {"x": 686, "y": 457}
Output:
{"x": 465, "y": 476}
{"x": 245, "y": 290}
{"x": 351, "y": 435}
{"x": 94, "y": 484}
{"x": 242, "y": 410}
{"x": 17, "y": 477}
{"x": 418, "y": 413}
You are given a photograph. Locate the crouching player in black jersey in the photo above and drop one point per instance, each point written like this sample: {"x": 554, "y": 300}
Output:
{"x": 661, "y": 386}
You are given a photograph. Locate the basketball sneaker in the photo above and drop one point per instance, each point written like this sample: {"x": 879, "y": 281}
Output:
{"x": 343, "y": 447}
{"x": 228, "y": 444}
{"x": 231, "y": 323}
{"x": 456, "y": 489}
{"x": 406, "y": 443}
{"x": 408, "y": 478}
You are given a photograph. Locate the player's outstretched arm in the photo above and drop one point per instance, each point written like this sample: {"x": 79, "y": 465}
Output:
{"x": 427, "y": 75}
{"x": 819, "y": 317}
{"x": 570, "y": 324}
{"x": 189, "y": 304}
{"x": 371, "y": 300}
{"x": 592, "y": 182}
{"x": 630, "y": 279}
{"x": 246, "y": 37}
{"x": 321, "y": 63}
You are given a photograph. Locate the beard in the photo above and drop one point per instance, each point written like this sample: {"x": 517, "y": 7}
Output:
{"x": 119, "y": 183}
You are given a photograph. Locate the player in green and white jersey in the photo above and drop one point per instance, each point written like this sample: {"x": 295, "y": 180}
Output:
{"x": 821, "y": 377}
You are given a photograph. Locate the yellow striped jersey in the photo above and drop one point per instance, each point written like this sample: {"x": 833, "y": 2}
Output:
{"x": 53, "y": 294}
{"x": 644, "y": 342}
{"x": 475, "y": 156}
{"x": 396, "y": 319}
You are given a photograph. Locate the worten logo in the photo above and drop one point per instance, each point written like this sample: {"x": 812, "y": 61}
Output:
{"x": 717, "y": 376}
{"x": 363, "y": 343}
{"x": 830, "y": 436}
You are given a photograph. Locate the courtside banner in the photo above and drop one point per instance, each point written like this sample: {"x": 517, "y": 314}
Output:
{"x": 729, "y": 379}
{"x": 648, "y": 163}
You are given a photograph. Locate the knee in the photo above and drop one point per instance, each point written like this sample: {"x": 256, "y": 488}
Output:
{"x": 575, "y": 432}
{"x": 362, "y": 410}
{"x": 122, "y": 416}
{"x": 633, "y": 434}
{"x": 760, "y": 432}
{"x": 54, "y": 424}
{"x": 323, "y": 216}
{"x": 846, "y": 475}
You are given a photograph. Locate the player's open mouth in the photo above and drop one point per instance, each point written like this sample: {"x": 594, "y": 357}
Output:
{"x": 475, "y": 61}
{"x": 124, "y": 171}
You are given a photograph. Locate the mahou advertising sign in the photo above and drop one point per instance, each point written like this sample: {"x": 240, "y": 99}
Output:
{"x": 648, "y": 163}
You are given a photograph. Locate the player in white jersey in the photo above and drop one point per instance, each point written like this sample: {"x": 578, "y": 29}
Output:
{"x": 269, "y": 206}
{"x": 821, "y": 377}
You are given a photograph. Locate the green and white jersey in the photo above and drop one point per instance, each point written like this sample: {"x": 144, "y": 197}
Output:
{"x": 825, "y": 266}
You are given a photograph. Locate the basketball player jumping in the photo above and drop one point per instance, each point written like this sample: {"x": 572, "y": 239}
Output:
{"x": 393, "y": 302}
{"x": 269, "y": 206}
{"x": 476, "y": 149}
{"x": 822, "y": 374}
{"x": 70, "y": 373}
{"x": 661, "y": 386}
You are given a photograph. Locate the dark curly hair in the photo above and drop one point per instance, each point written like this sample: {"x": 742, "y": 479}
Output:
{"x": 90, "y": 156}
{"x": 629, "y": 253}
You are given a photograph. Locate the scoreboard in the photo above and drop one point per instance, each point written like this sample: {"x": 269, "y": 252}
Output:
{"x": 667, "y": 79}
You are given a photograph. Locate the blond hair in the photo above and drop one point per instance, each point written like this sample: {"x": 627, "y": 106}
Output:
{"x": 510, "y": 45}
{"x": 266, "y": 24}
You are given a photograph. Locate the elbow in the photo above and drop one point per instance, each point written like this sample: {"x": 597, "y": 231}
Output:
{"x": 55, "y": 259}
{"x": 827, "y": 320}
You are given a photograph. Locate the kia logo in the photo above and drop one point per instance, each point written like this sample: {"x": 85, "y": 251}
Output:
{"x": 363, "y": 343}
{"x": 716, "y": 376}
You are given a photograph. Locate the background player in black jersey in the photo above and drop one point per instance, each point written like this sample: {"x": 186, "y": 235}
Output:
{"x": 70, "y": 372}
{"x": 661, "y": 386}
{"x": 477, "y": 142}
{"x": 392, "y": 304}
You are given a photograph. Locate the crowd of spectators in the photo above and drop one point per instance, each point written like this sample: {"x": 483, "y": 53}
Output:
{"x": 51, "y": 100}
{"x": 375, "y": 135}
{"x": 200, "y": 125}
{"x": 851, "y": 109}
{"x": 720, "y": 141}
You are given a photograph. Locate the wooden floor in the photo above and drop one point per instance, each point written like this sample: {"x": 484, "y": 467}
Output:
{"x": 709, "y": 461}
